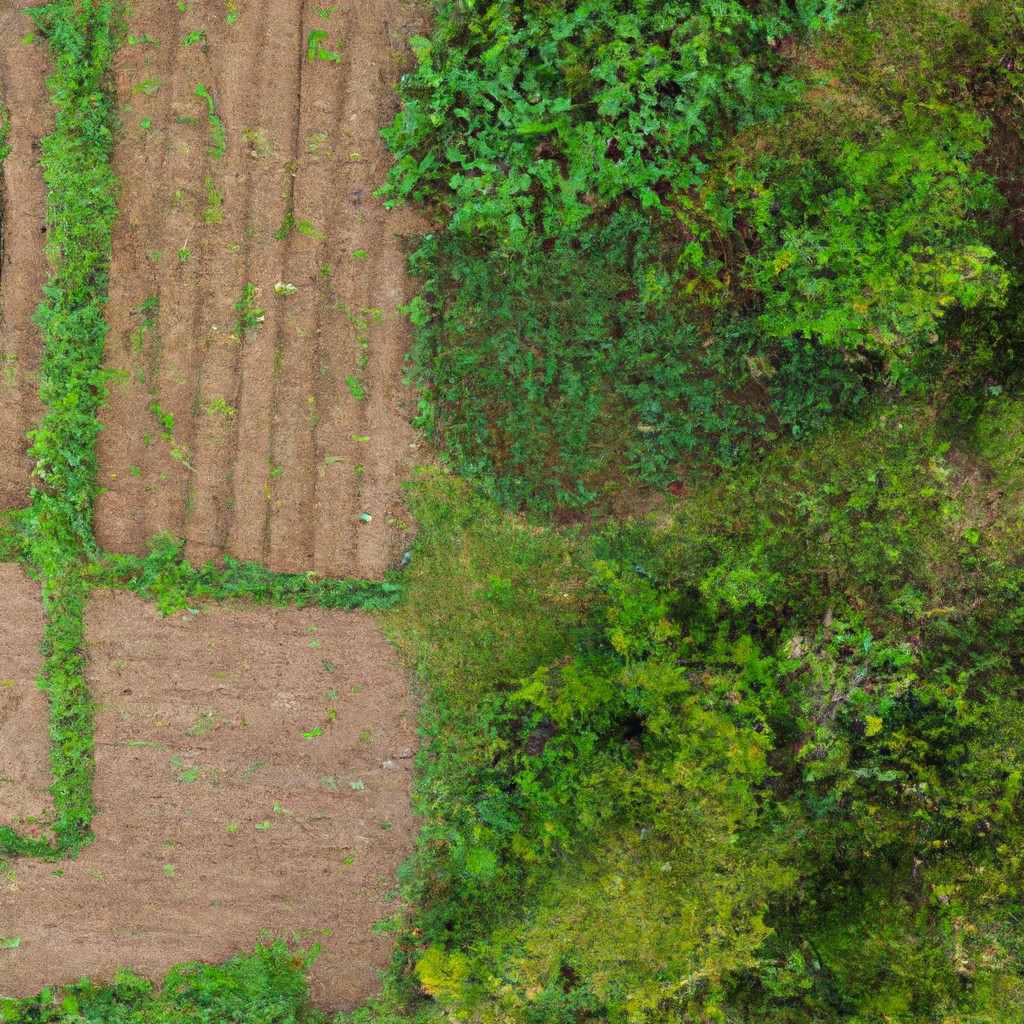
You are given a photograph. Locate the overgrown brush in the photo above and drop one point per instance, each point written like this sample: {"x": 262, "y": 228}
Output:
{"x": 755, "y": 763}
{"x": 672, "y": 233}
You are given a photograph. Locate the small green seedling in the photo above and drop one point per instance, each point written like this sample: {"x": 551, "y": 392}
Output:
{"x": 218, "y": 133}
{"x": 316, "y": 51}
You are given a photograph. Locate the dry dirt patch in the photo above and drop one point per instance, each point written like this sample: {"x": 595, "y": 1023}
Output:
{"x": 23, "y": 264}
{"x": 24, "y": 713}
{"x": 242, "y": 787}
{"x": 283, "y": 435}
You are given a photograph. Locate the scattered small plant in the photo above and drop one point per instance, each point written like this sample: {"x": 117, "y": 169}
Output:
{"x": 218, "y": 134}
{"x": 250, "y": 316}
{"x": 315, "y": 50}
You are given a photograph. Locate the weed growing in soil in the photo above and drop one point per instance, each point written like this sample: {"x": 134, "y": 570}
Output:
{"x": 218, "y": 133}
{"x": 214, "y": 202}
{"x": 250, "y": 316}
{"x": 316, "y": 51}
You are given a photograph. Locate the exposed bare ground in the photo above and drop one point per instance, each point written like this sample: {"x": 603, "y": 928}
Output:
{"x": 24, "y": 719}
{"x": 217, "y": 818}
{"x": 23, "y": 266}
{"x": 271, "y": 456}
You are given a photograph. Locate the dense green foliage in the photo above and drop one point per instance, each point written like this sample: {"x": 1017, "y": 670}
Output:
{"x": 756, "y": 760}
{"x": 265, "y": 987}
{"x": 672, "y": 231}
{"x": 56, "y": 530}
{"x": 757, "y": 763}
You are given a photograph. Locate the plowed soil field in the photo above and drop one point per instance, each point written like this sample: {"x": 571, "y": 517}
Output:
{"x": 255, "y": 422}
{"x": 253, "y": 765}
{"x": 242, "y": 789}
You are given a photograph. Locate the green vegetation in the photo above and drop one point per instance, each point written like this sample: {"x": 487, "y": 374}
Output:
{"x": 55, "y": 533}
{"x": 756, "y": 763}
{"x": 218, "y": 133}
{"x": 755, "y": 758}
{"x": 166, "y": 578}
{"x": 674, "y": 232}
{"x": 250, "y": 316}
{"x": 266, "y": 987}
{"x": 315, "y": 50}
{"x": 752, "y": 756}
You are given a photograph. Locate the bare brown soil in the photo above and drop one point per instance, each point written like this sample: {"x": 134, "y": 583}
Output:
{"x": 24, "y": 716}
{"x": 253, "y": 766}
{"x": 271, "y": 456}
{"x": 23, "y": 265}
{"x": 217, "y": 819}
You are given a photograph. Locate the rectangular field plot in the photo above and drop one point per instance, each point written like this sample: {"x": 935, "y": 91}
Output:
{"x": 258, "y": 407}
{"x": 24, "y": 711}
{"x": 253, "y": 774}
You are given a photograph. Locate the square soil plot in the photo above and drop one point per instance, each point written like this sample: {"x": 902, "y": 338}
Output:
{"x": 24, "y": 710}
{"x": 253, "y": 769}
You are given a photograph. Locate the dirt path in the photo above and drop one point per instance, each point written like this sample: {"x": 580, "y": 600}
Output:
{"x": 23, "y": 264}
{"x": 24, "y": 714}
{"x": 253, "y": 773}
{"x": 283, "y": 435}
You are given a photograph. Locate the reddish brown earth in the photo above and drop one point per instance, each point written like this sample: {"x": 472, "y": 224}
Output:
{"x": 270, "y": 457}
{"x": 217, "y": 819}
{"x": 23, "y": 265}
{"x": 24, "y": 718}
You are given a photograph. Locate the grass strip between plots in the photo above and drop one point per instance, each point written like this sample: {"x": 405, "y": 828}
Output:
{"x": 54, "y": 536}
{"x": 57, "y": 528}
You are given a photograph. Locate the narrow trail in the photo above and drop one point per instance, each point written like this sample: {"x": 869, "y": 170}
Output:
{"x": 23, "y": 268}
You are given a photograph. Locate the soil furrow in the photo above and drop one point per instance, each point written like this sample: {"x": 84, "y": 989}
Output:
{"x": 23, "y": 264}
{"x": 24, "y": 711}
{"x": 270, "y": 464}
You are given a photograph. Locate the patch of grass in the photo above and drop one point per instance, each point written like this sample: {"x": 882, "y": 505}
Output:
{"x": 166, "y": 578}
